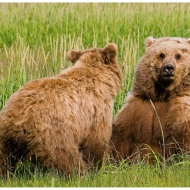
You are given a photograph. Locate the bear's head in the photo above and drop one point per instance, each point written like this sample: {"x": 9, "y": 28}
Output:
{"x": 164, "y": 68}
{"x": 103, "y": 59}
{"x": 94, "y": 56}
{"x": 101, "y": 62}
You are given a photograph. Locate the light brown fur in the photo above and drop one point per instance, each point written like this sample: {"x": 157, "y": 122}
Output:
{"x": 63, "y": 122}
{"x": 136, "y": 127}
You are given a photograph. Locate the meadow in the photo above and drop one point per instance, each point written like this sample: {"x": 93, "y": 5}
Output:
{"x": 34, "y": 40}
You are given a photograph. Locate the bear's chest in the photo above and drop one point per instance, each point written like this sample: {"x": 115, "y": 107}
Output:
{"x": 176, "y": 111}
{"x": 172, "y": 117}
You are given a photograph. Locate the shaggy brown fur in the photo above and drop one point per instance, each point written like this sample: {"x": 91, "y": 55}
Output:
{"x": 63, "y": 122}
{"x": 159, "y": 103}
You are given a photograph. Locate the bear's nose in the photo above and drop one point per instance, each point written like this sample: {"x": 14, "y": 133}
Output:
{"x": 168, "y": 69}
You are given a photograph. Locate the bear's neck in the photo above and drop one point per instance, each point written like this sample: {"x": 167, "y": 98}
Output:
{"x": 156, "y": 93}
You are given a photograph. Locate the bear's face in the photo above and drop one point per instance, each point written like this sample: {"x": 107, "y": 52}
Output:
{"x": 169, "y": 62}
{"x": 165, "y": 64}
{"x": 95, "y": 57}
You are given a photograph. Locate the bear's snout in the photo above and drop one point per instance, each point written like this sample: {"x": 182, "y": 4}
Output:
{"x": 168, "y": 70}
{"x": 166, "y": 76}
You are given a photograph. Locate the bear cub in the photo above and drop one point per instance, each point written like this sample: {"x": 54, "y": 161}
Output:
{"x": 63, "y": 122}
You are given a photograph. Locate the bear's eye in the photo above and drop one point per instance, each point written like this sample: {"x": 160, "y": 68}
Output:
{"x": 162, "y": 56}
{"x": 177, "y": 56}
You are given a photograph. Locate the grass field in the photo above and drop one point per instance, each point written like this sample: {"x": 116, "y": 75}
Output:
{"x": 34, "y": 40}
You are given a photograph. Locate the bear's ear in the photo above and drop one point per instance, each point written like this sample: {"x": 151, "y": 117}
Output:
{"x": 110, "y": 52}
{"x": 73, "y": 55}
{"x": 188, "y": 40}
{"x": 149, "y": 41}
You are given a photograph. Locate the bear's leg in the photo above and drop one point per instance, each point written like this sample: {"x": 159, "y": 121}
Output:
{"x": 7, "y": 161}
{"x": 4, "y": 166}
{"x": 67, "y": 161}
{"x": 172, "y": 146}
{"x": 120, "y": 149}
{"x": 148, "y": 152}
{"x": 93, "y": 153}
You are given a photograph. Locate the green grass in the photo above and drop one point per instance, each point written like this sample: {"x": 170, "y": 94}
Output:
{"x": 34, "y": 40}
{"x": 124, "y": 175}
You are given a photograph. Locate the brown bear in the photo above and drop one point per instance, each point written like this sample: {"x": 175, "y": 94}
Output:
{"x": 155, "y": 119}
{"x": 63, "y": 122}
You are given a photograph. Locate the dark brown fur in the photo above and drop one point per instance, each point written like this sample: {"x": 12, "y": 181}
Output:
{"x": 63, "y": 122}
{"x": 158, "y": 105}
